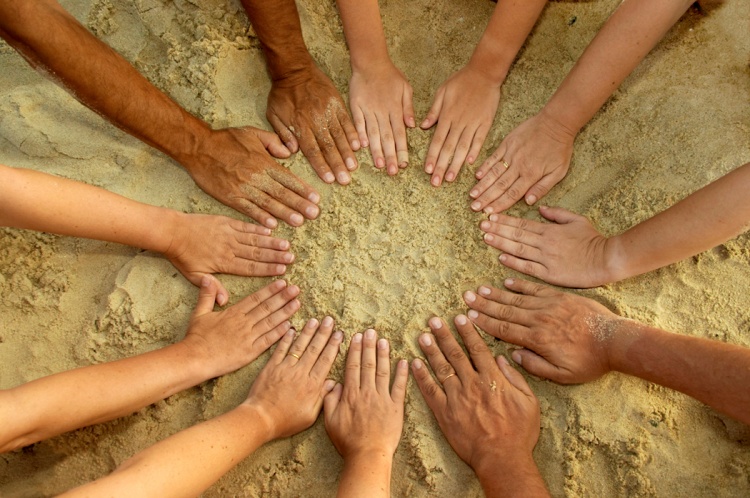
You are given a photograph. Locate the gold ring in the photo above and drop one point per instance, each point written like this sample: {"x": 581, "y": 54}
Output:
{"x": 505, "y": 163}
{"x": 448, "y": 377}
{"x": 296, "y": 356}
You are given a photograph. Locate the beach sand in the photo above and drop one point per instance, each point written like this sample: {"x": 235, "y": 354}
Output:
{"x": 386, "y": 252}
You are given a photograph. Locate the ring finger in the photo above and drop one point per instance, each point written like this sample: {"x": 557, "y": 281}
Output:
{"x": 443, "y": 370}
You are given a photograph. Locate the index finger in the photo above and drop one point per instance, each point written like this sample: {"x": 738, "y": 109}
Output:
{"x": 480, "y": 353}
{"x": 512, "y": 194}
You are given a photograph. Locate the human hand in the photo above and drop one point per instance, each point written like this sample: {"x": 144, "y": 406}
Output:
{"x": 233, "y": 166}
{"x": 569, "y": 252}
{"x": 381, "y": 101}
{"x": 289, "y": 391}
{"x": 531, "y": 160}
{"x": 363, "y": 418}
{"x": 464, "y": 108}
{"x": 566, "y": 337}
{"x": 232, "y": 338}
{"x": 488, "y": 414}
{"x": 307, "y": 112}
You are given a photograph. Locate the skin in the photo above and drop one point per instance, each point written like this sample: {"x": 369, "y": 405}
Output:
{"x": 539, "y": 150}
{"x": 364, "y": 419}
{"x": 80, "y": 210}
{"x": 285, "y": 399}
{"x": 484, "y": 407}
{"x": 571, "y": 339}
{"x": 216, "y": 343}
{"x": 304, "y": 107}
{"x": 464, "y": 106}
{"x": 572, "y": 253}
{"x": 233, "y": 165}
{"x": 380, "y": 97}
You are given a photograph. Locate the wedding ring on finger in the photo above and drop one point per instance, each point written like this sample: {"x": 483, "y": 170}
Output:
{"x": 295, "y": 355}
{"x": 505, "y": 163}
{"x": 448, "y": 377}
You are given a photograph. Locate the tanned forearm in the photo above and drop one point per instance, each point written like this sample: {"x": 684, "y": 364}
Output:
{"x": 366, "y": 475}
{"x": 503, "y": 477}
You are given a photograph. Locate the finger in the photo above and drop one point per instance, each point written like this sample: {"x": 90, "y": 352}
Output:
{"x": 290, "y": 141}
{"x": 408, "y": 107}
{"x": 431, "y": 390}
{"x": 360, "y": 125}
{"x": 278, "y": 317}
{"x": 512, "y": 194}
{"x": 322, "y": 367}
{"x": 512, "y": 333}
{"x": 493, "y": 185}
{"x": 543, "y": 186}
{"x": 272, "y": 143}
{"x": 251, "y": 239}
{"x": 251, "y": 230}
{"x": 299, "y": 187}
{"x": 369, "y": 360}
{"x": 251, "y": 210}
{"x": 351, "y": 134}
{"x": 477, "y": 143}
{"x": 353, "y": 362}
{"x": 311, "y": 150}
{"x": 527, "y": 267}
{"x": 273, "y": 299}
{"x": 530, "y": 288}
{"x": 434, "y": 112}
{"x": 446, "y": 154}
{"x": 398, "y": 391}
{"x": 402, "y": 147}
{"x": 331, "y": 401}
{"x": 513, "y": 376}
{"x": 283, "y": 347}
{"x": 383, "y": 372}
{"x": 262, "y": 255}
{"x": 270, "y": 205}
{"x": 305, "y": 336}
{"x": 389, "y": 145}
{"x": 376, "y": 146}
{"x": 480, "y": 353}
{"x": 462, "y": 148}
{"x": 437, "y": 144}
{"x": 491, "y": 161}
{"x": 513, "y": 222}
{"x": 270, "y": 338}
{"x": 450, "y": 348}
{"x": 288, "y": 204}
{"x": 207, "y": 295}
{"x": 250, "y": 302}
{"x": 560, "y": 215}
{"x": 276, "y": 309}
{"x": 536, "y": 365}
{"x": 318, "y": 343}
{"x": 517, "y": 241}
{"x": 344, "y": 147}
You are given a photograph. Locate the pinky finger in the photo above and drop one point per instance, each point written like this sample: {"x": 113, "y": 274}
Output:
{"x": 359, "y": 124}
{"x": 398, "y": 390}
{"x": 283, "y": 347}
{"x": 432, "y": 392}
{"x": 514, "y": 376}
{"x": 488, "y": 163}
{"x": 524, "y": 266}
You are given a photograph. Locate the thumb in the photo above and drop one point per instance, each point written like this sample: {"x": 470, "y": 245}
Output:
{"x": 542, "y": 187}
{"x": 406, "y": 102}
{"x": 331, "y": 400}
{"x": 536, "y": 365}
{"x": 559, "y": 215}
{"x": 513, "y": 376}
{"x": 272, "y": 143}
{"x": 208, "y": 295}
{"x": 434, "y": 112}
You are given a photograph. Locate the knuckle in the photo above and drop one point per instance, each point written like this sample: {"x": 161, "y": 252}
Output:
{"x": 514, "y": 193}
{"x": 505, "y": 313}
{"x": 368, "y": 364}
{"x": 528, "y": 269}
{"x": 517, "y": 300}
{"x": 477, "y": 347}
{"x": 456, "y": 354}
{"x": 444, "y": 369}
{"x": 431, "y": 390}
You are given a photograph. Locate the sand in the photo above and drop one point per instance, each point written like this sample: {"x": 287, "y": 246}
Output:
{"x": 385, "y": 252}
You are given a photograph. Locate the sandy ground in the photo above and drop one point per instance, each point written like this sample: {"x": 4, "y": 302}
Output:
{"x": 386, "y": 252}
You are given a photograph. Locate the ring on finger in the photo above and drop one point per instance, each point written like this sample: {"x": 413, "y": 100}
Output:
{"x": 506, "y": 164}
{"x": 448, "y": 377}
{"x": 295, "y": 355}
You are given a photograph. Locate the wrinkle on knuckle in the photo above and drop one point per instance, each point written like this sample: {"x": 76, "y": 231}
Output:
{"x": 444, "y": 369}
{"x": 431, "y": 390}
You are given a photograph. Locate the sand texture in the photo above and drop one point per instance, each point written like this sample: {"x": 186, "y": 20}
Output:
{"x": 386, "y": 252}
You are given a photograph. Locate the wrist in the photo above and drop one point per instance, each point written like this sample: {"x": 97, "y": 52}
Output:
{"x": 186, "y": 147}
{"x": 261, "y": 420}
{"x": 616, "y": 263}
{"x": 374, "y": 59}
{"x": 514, "y": 476}
{"x": 491, "y": 63}
{"x": 559, "y": 121}
{"x": 164, "y": 227}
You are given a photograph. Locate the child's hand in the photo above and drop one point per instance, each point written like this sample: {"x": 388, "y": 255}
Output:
{"x": 380, "y": 99}
{"x": 363, "y": 417}
{"x": 569, "y": 252}
{"x": 464, "y": 108}
{"x": 232, "y": 338}
{"x": 205, "y": 244}
{"x": 288, "y": 393}
{"x": 531, "y": 160}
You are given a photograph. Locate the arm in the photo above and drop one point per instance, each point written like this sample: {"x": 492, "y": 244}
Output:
{"x": 232, "y": 165}
{"x": 81, "y": 210}
{"x": 364, "y": 419}
{"x": 304, "y": 107}
{"x": 465, "y": 105}
{"x": 493, "y": 432}
{"x": 216, "y": 343}
{"x": 380, "y": 97}
{"x": 285, "y": 399}
{"x": 539, "y": 150}
{"x": 572, "y": 253}
{"x": 571, "y": 339}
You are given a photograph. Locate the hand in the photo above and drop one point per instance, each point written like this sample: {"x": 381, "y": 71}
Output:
{"x": 289, "y": 391}
{"x": 531, "y": 160}
{"x": 569, "y": 252}
{"x": 464, "y": 108}
{"x": 380, "y": 99}
{"x": 489, "y": 415}
{"x": 233, "y": 165}
{"x": 236, "y": 248}
{"x": 307, "y": 112}
{"x": 566, "y": 337}
{"x": 362, "y": 416}
{"x": 232, "y": 338}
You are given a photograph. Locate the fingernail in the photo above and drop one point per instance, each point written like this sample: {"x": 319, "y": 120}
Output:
{"x": 338, "y": 335}
{"x": 517, "y": 357}
{"x": 485, "y": 291}
{"x": 461, "y": 320}
{"x": 479, "y": 175}
{"x": 509, "y": 281}
{"x": 357, "y": 338}
{"x": 502, "y": 258}
{"x": 312, "y": 323}
{"x": 290, "y": 146}
{"x": 402, "y": 364}
{"x": 265, "y": 230}
{"x": 428, "y": 168}
{"x": 489, "y": 210}
{"x": 379, "y": 162}
{"x": 469, "y": 297}
{"x": 424, "y": 123}
{"x": 402, "y": 157}
{"x": 365, "y": 143}
{"x": 382, "y": 344}
{"x": 470, "y": 160}
{"x": 222, "y": 298}
{"x": 494, "y": 217}
{"x": 328, "y": 177}
{"x": 488, "y": 237}
{"x": 476, "y": 205}
{"x": 272, "y": 223}
{"x": 411, "y": 122}
{"x": 473, "y": 314}
{"x": 485, "y": 225}
{"x": 280, "y": 269}
{"x": 205, "y": 281}
{"x": 474, "y": 193}
{"x": 355, "y": 144}
{"x": 296, "y": 219}
{"x": 344, "y": 177}
{"x": 450, "y": 176}
{"x": 426, "y": 340}
{"x": 435, "y": 181}
{"x": 530, "y": 200}
{"x": 327, "y": 321}
{"x": 542, "y": 207}
{"x": 350, "y": 164}
{"x": 417, "y": 364}
{"x": 329, "y": 384}
{"x": 312, "y": 211}
{"x": 503, "y": 360}
{"x": 290, "y": 333}
{"x": 435, "y": 323}
{"x": 314, "y": 197}
{"x": 369, "y": 334}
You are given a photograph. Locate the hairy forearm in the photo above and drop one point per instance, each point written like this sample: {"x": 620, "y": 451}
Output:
{"x": 629, "y": 34}
{"x": 364, "y": 34}
{"x": 366, "y": 475}
{"x": 709, "y": 371}
{"x": 188, "y": 462}
{"x": 90, "y": 395}
{"x": 510, "y": 24}
{"x": 38, "y": 201}
{"x": 511, "y": 477}
{"x": 51, "y": 39}
{"x": 705, "y": 219}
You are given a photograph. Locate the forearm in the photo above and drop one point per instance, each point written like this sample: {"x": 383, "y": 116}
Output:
{"x": 51, "y": 39}
{"x": 188, "y": 462}
{"x": 705, "y": 219}
{"x": 510, "y": 24}
{"x": 709, "y": 371}
{"x": 277, "y": 24}
{"x": 366, "y": 475}
{"x": 504, "y": 477}
{"x": 629, "y": 34}
{"x": 364, "y": 34}
{"x": 90, "y": 395}
{"x": 38, "y": 201}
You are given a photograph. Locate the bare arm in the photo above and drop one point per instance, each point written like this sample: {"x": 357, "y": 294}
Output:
{"x": 216, "y": 343}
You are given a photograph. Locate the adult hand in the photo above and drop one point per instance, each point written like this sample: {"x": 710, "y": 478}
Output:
{"x": 307, "y": 113}
{"x": 486, "y": 410}
{"x": 233, "y": 166}
{"x": 232, "y": 338}
{"x": 236, "y": 248}
{"x": 464, "y": 108}
{"x": 566, "y": 337}
{"x": 289, "y": 391}
{"x": 363, "y": 417}
{"x": 531, "y": 160}
{"x": 381, "y": 101}
{"x": 569, "y": 252}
